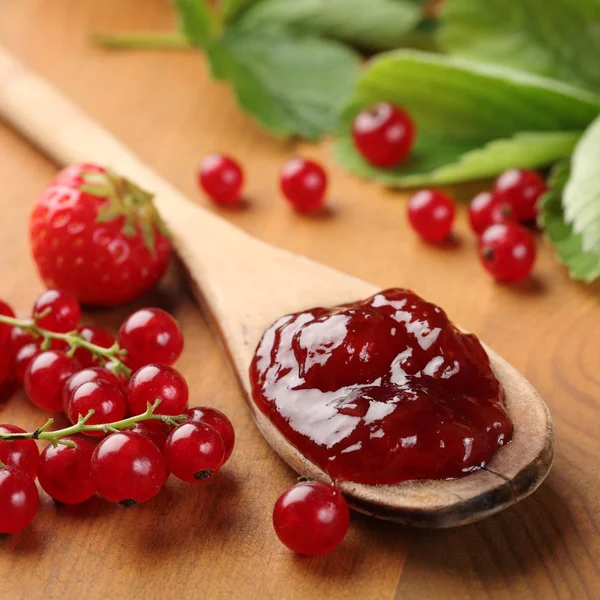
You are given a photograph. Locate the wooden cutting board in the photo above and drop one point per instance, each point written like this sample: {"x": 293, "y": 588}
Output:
{"x": 216, "y": 540}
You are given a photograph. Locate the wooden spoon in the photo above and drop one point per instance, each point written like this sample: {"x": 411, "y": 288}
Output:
{"x": 246, "y": 285}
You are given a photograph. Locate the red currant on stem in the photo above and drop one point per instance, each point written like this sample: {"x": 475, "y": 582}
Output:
{"x": 105, "y": 399}
{"x": 94, "y": 335}
{"x": 150, "y": 335}
{"x": 157, "y": 382}
{"x": 57, "y": 310}
{"x": 19, "y": 500}
{"x": 194, "y": 451}
{"x": 5, "y": 329}
{"x": 83, "y": 376}
{"x": 431, "y": 214}
{"x": 485, "y": 210}
{"x": 221, "y": 178}
{"x": 64, "y": 471}
{"x": 521, "y": 189}
{"x": 303, "y": 183}
{"x": 507, "y": 251}
{"x": 156, "y": 431}
{"x": 19, "y": 454}
{"x": 311, "y": 518}
{"x": 383, "y": 134}
{"x": 217, "y": 420}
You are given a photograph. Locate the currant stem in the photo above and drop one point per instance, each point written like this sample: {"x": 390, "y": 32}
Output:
{"x": 166, "y": 40}
{"x": 54, "y": 437}
{"x": 75, "y": 340}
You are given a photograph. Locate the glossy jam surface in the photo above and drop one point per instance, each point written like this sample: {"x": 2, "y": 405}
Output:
{"x": 381, "y": 391}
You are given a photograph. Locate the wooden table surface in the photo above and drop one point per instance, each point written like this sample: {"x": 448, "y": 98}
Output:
{"x": 216, "y": 540}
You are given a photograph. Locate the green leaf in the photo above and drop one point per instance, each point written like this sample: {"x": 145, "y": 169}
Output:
{"x": 472, "y": 120}
{"x": 197, "y": 22}
{"x": 581, "y": 199}
{"x": 384, "y": 24}
{"x": 555, "y": 38}
{"x": 291, "y": 83}
{"x": 231, "y": 9}
{"x": 568, "y": 245}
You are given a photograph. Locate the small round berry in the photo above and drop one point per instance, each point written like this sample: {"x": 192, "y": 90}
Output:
{"x": 507, "y": 251}
{"x": 17, "y": 338}
{"x": 83, "y": 376}
{"x": 57, "y": 310}
{"x": 23, "y": 358}
{"x": 106, "y": 400}
{"x": 431, "y": 214}
{"x": 153, "y": 429}
{"x": 311, "y": 518}
{"x": 521, "y": 189}
{"x": 94, "y": 335}
{"x": 157, "y": 382}
{"x": 217, "y": 420}
{"x": 64, "y": 471}
{"x": 150, "y": 335}
{"x": 127, "y": 468}
{"x": 6, "y": 311}
{"x": 6, "y": 363}
{"x": 194, "y": 451}
{"x": 46, "y": 376}
{"x": 20, "y": 454}
{"x": 303, "y": 183}
{"x": 384, "y": 134}
{"x": 485, "y": 210}
{"x": 19, "y": 500}
{"x": 222, "y": 178}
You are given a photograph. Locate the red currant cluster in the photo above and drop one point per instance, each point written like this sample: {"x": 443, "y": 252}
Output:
{"x": 123, "y": 391}
{"x": 303, "y": 182}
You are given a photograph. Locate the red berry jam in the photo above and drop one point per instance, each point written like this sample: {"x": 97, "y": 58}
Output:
{"x": 381, "y": 391}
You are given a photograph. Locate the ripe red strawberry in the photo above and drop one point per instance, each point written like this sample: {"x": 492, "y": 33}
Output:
{"x": 98, "y": 236}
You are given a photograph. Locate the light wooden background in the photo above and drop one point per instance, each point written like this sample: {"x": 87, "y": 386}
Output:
{"x": 215, "y": 540}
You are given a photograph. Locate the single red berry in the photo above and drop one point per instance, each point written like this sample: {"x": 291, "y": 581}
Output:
{"x": 98, "y": 236}
{"x": 19, "y": 500}
{"x": 303, "y": 183}
{"x": 83, "y": 376}
{"x": 153, "y": 429}
{"x": 221, "y": 178}
{"x": 217, "y": 420}
{"x": 57, "y": 310}
{"x": 64, "y": 471}
{"x": 20, "y": 454}
{"x": 194, "y": 451}
{"x": 150, "y": 335}
{"x": 94, "y": 335}
{"x": 311, "y": 518}
{"x": 6, "y": 311}
{"x": 521, "y": 189}
{"x": 127, "y": 468}
{"x": 17, "y": 338}
{"x": 485, "y": 210}
{"x": 384, "y": 134}
{"x": 22, "y": 358}
{"x": 6, "y": 363}
{"x": 46, "y": 376}
{"x": 105, "y": 399}
{"x": 6, "y": 356}
{"x": 431, "y": 214}
{"x": 157, "y": 382}
{"x": 507, "y": 251}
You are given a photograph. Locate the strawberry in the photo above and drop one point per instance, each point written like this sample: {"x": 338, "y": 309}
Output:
{"x": 97, "y": 235}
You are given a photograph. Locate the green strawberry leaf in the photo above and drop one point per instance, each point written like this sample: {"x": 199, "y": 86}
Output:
{"x": 472, "y": 120}
{"x": 557, "y": 39}
{"x": 568, "y": 245}
{"x": 196, "y": 21}
{"x": 382, "y": 26}
{"x": 291, "y": 83}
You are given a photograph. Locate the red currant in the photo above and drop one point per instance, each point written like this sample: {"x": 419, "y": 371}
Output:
{"x": 217, "y": 420}
{"x": 17, "y": 338}
{"x": 194, "y": 451}
{"x": 157, "y": 382}
{"x": 431, "y": 214}
{"x": 154, "y": 430}
{"x": 5, "y": 363}
{"x": 522, "y": 190}
{"x": 106, "y": 400}
{"x": 6, "y": 311}
{"x": 22, "y": 358}
{"x": 311, "y": 518}
{"x": 56, "y": 310}
{"x": 485, "y": 210}
{"x": 507, "y": 251}
{"x": 384, "y": 134}
{"x": 20, "y": 454}
{"x": 127, "y": 468}
{"x": 64, "y": 471}
{"x": 83, "y": 376}
{"x": 150, "y": 335}
{"x": 46, "y": 376}
{"x": 303, "y": 183}
{"x": 222, "y": 178}
{"x": 94, "y": 335}
{"x": 19, "y": 500}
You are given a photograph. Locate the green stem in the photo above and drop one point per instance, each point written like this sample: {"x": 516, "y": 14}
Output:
{"x": 75, "y": 340}
{"x": 144, "y": 40}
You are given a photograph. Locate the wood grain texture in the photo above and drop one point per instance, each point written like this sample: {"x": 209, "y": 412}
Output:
{"x": 216, "y": 541}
